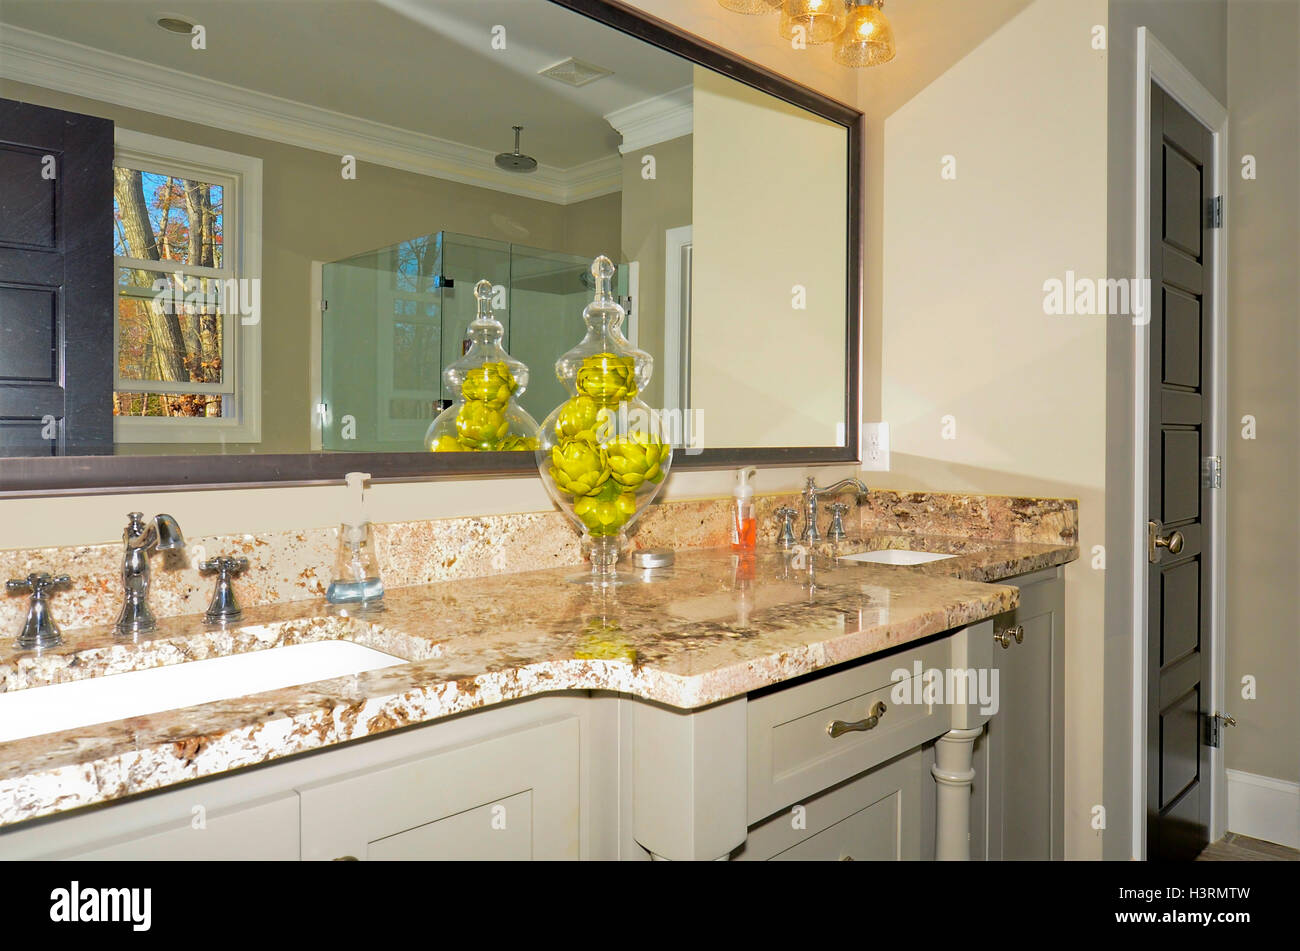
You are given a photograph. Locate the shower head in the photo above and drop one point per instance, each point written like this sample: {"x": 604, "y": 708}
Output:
{"x": 516, "y": 161}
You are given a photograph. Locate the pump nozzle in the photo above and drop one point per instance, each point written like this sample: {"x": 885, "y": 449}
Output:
{"x": 354, "y": 522}
{"x": 743, "y": 489}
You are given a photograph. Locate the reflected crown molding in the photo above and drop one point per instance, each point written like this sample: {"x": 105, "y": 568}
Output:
{"x": 75, "y": 69}
{"x": 656, "y": 120}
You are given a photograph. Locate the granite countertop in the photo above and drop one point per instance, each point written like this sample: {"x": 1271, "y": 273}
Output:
{"x": 707, "y": 629}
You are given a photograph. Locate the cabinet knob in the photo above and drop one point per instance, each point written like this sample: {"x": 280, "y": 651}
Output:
{"x": 839, "y": 727}
{"x": 1005, "y": 637}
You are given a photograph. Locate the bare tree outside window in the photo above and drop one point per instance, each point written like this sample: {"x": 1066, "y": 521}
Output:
{"x": 170, "y": 313}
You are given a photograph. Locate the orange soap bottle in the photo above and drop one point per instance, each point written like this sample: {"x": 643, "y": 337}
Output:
{"x": 744, "y": 523}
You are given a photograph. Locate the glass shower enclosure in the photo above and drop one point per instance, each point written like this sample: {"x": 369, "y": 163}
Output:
{"x": 393, "y": 318}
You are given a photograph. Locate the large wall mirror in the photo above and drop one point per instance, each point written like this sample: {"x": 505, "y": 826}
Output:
{"x": 239, "y": 239}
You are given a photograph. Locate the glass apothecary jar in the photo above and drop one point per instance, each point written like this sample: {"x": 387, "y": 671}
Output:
{"x": 485, "y": 415}
{"x": 603, "y": 453}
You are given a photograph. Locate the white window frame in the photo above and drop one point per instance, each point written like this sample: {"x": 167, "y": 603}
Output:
{"x": 241, "y": 179}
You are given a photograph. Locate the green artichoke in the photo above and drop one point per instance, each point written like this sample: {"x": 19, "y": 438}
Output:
{"x": 606, "y": 511}
{"x": 578, "y": 467}
{"x": 607, "y": 378}
{"x": 480, "y": 425}
{"x": 581, "y": 418}
{"x": 636, "y": 458}
{"x": 491, "y": 383}
{"x": 515, "y": 443}
{"x": 447, "y": 443}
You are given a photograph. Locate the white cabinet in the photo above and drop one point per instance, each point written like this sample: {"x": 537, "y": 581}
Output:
{"x": 1020, "y": 761}
{"x": 513, "y": 796}
{"x": 874, "y": 817}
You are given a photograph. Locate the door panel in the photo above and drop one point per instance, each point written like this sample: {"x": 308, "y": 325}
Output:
{"x": 1178, "y": 677}
{"x": 56, "y": 282}
{"x": 1181, "y": 341}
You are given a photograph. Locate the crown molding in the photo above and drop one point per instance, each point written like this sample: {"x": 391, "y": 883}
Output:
{"x": 656, "y": 120}
{"x": 67, "y": 67}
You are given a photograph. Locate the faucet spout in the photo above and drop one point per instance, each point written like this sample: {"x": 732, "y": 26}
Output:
{"x": 139, "y": 540}
{"x": 812, "y": 493}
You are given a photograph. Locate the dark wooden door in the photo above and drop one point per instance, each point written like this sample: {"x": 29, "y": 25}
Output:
{"x": 56, "y": 282}
{"x": 1178, "y": 576}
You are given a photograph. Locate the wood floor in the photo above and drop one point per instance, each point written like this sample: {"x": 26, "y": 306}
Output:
{"x": 1242, "y": 848}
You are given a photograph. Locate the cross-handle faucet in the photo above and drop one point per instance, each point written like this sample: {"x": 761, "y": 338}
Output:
{"x": 39, "y": 630}
{"x": 811, "y": 494}
{"x": 140, "y": 539}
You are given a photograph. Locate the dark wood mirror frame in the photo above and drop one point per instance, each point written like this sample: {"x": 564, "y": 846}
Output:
{"x": 82, "y": 475}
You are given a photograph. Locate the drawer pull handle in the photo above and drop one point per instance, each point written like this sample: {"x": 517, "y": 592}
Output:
{"x": 1004, "y": 637}
{"x": 347, "y": 858}
{"x": 840, "y": 727}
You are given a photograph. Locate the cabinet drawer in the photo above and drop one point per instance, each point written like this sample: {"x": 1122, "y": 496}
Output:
{"x": 792, "y": 755}
{"x": 257, "y": 831}
{"x": 514, "y": 795}
{"x": 876, "y": 817}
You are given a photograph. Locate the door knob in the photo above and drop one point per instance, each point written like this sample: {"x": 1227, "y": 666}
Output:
{"x": 1156, "y": 539}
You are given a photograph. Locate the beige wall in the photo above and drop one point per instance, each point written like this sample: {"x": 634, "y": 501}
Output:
{"x": 1262, "y": 476}
{"x": 770, "y": 209}
{"x": 310, "y": 213}
{"x": 963, "y": 328}
{"x": 650, "y": 207}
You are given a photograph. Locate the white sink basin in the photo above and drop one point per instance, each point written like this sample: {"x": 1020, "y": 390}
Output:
{"x": 895, "y": 556}
{"x": 56, "y": 707}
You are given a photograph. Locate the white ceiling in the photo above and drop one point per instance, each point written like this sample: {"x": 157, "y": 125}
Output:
{"x": 426, "y": 66}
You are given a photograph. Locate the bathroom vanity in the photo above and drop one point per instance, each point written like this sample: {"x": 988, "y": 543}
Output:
{"x": 532, "y": 717}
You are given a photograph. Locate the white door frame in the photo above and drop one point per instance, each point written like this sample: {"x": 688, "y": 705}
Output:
{"x": 675, "y": 239}
{"x": 1156, "y": 64}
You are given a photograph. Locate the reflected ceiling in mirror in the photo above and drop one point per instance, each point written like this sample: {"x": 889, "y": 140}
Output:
{"x": 261, "y": 236}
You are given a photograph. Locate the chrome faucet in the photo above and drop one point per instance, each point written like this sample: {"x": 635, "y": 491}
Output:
{"x": 811, "y": 494}
{"x": 141, "y": 539}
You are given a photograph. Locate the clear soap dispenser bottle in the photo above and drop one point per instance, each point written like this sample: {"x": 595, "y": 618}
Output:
{"x": 744, "y": 523}
{"x": 356, "y": 569}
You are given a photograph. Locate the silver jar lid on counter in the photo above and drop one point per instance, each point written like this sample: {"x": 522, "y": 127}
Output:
{"x": 653, "y": 557}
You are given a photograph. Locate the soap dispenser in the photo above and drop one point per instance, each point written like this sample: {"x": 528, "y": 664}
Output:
{"x": 744, "y": 523}
{"x": 356, "y": 569}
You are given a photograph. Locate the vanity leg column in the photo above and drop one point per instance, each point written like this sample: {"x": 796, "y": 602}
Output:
{"x": 689, "y": 779}
{"x": 954, "y": 753}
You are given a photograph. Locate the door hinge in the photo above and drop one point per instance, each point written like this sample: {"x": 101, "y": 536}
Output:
{"x": 1214, "y": 212}
{"x": 1212, "y": 472}
{"x": 324, "y": 305}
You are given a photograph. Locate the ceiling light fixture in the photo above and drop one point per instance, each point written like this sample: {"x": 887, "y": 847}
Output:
{"x": 862, "y": 33}
{"x": 820, "y": 20}
{"x": 175, "y": 24}
{"x": 868, "y": 37}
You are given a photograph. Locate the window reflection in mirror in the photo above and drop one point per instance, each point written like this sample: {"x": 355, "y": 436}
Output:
{"x": 273, "y": 246}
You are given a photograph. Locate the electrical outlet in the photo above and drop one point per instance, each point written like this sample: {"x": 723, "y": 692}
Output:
{"x": 875, "y": 447}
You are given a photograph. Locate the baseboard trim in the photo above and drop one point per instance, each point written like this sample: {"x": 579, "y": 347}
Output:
{"x": 1264, "y": 808}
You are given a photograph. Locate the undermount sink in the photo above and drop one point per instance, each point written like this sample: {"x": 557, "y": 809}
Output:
{"x": 49, "y": 709}
{"x": 895, "y": 556}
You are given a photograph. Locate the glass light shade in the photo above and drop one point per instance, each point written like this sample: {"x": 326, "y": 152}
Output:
{"x": 751, "y": 6}
{"x": 867, "y": 40}
{"x": 821, "y": 20}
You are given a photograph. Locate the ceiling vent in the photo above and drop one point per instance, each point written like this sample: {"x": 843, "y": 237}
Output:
{"x": 574, "y": 72}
